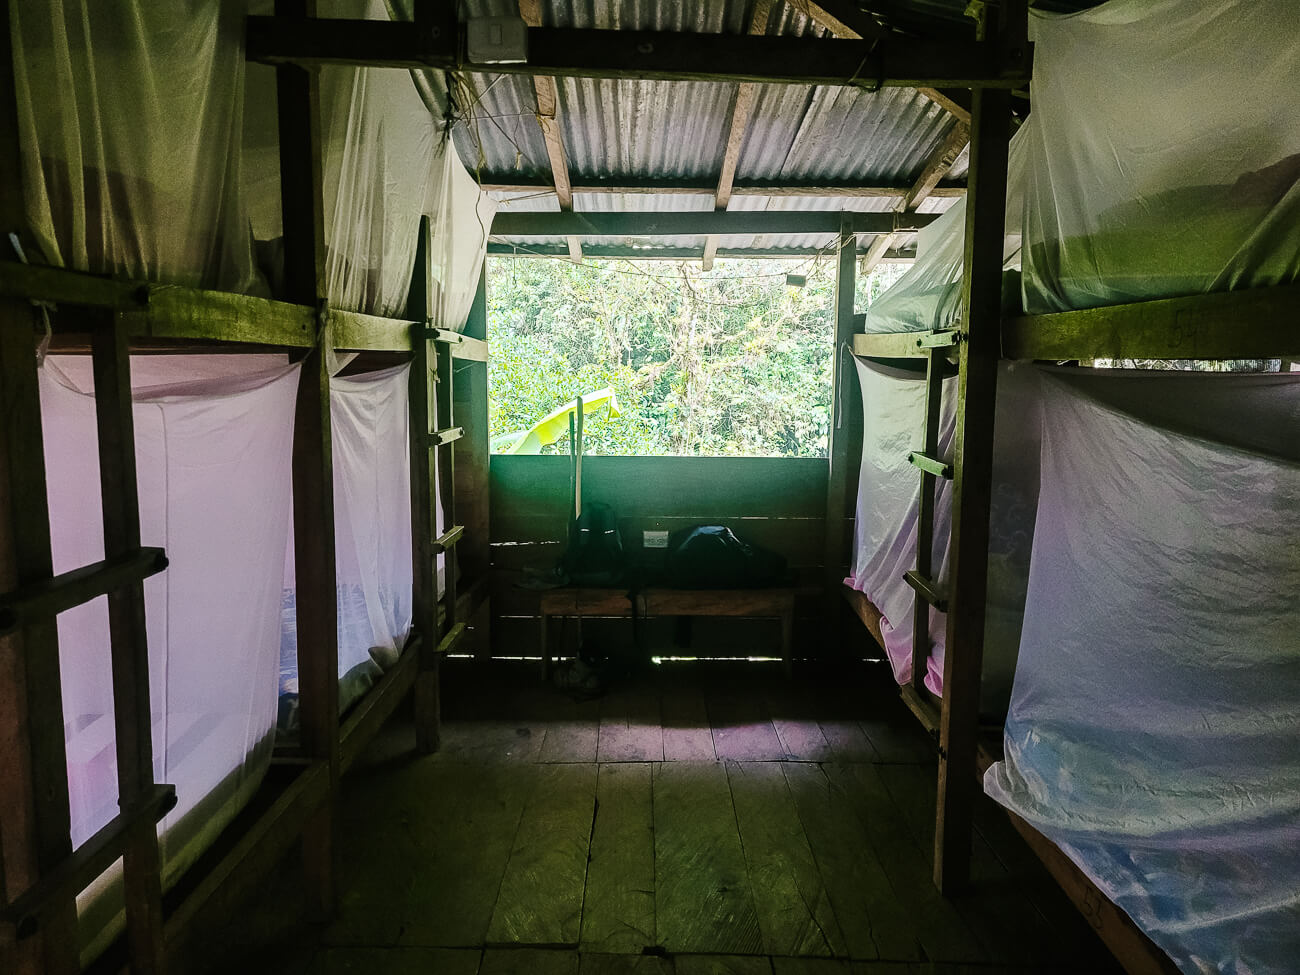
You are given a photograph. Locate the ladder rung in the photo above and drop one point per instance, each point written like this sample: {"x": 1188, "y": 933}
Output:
{"x": 43, "y": 600}
{"x": 441, "y": 438}
{"x": 940, "y": 339}
{"x": 448, "y": 643}
{"x": 925, "y": 589}
{"x": 444, "y": 335}
{"x": 79, "y": 869}
{"x": 447, "y": 540}
{"x": 931, "y": 466}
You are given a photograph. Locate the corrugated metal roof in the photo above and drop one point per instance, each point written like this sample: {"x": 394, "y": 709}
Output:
{"x": 628, "y": 129}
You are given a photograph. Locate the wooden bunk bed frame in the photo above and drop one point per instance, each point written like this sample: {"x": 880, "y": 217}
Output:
{"x": 1257, "y": 323}
{"x": 40, "y": 873}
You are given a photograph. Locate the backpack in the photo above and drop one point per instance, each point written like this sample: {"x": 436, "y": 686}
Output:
{"x": 595, "y": 554}
{"x": 712, "y": 557}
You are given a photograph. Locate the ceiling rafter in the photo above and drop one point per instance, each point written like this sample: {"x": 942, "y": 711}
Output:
{"x": 544, "y": 88}
{"x": 741, "y": 109}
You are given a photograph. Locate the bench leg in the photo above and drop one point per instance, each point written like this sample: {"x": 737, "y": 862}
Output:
{"x": 787, "y": 640}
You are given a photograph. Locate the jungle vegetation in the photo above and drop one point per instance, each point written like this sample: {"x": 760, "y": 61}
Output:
{"x": 731, "y": 361}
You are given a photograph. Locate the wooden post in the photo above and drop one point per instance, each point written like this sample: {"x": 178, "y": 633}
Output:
{"x": 132, "y": 719}
{"x": 934, "y": 368}
{"x": 298, "y": 110}
{"x": 973, "y": 460}
{"x": 846, "y": 410}
{"x": 35, "y": 821}
{"x": 419, "y": 305}
{"x": 472, "y": 460}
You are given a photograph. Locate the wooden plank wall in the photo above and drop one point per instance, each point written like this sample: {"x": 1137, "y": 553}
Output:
{"x": 778, "y": 503}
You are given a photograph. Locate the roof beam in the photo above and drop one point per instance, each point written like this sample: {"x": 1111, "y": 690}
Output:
{"x": 700, "y": 223}
{"x": 741, "y": 109}
{"x": 935, "y": 168}
{"x": 547, "y": 96}
{"x": 666, "y": 55}
{"x": 624, "y": 252}
{"x": 520, "y": 183}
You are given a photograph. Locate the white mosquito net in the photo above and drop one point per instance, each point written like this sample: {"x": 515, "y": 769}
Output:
{"x": 213, "y": 446}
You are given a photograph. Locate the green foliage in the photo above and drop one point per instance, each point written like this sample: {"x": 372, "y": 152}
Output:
{"x": 725, "y": 362}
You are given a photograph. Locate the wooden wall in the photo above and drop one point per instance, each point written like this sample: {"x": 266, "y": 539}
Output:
{"x": 778, "y": 503}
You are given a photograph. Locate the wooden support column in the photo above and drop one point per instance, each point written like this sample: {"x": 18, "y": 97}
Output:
{"x": 133, "y": 722}
{"x": 973, "y": 460}
{"x": 298, "y": 109}
{"x": 741, "y": 109}
{"x": 35, "y": 822}
{"x": 419, "y": 307}
{"x": 934, "y": 370}
{"x": 472, "y": 459}
{"x": 846, "y": 421}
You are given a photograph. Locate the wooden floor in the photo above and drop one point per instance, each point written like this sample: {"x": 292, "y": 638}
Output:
{"x": 696, "y": 820}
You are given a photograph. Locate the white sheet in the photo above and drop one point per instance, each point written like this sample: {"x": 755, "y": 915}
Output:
{"x": 1156, "y": 709}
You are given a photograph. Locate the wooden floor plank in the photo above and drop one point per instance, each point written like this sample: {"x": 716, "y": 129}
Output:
{"x": 610, "y": 964}
{"x": 794, "y": 912}
{"x": 542, "y": 890}
{"x": 847, "y": 740}
{"x": 462, "y": 821}
{"x": 872, "y": 921}
{"x": 817, "y": 966}
{"x": 742, "y": 730}
{"x": 723, "y": 965}
{"x": 619, "y": 910}
{"x": 943, "y": 932}
{"x": 630, "y": 727}
{"x": 533, "y": 961}
{"x": 572, "y": 731}
{"x": 702, "y": 894}
{"x": 395, "y": 961}
{"x": 687, "y": 733}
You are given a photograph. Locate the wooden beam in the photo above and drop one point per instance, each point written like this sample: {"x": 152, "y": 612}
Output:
{"x": 955, "y": 101}
{"x": 846, "y": 422}
{"x": 665, "y": 186}
{"x": 875, "y": 253}
{"x": 298, "y": 112}
{"x": 473, "y": 452}
{"x": 424, "y": 583}
{"x": 937, "y": 165}
{"x": 35, "y": 822}
{"x": 972, "y": 487}
{"x": 1257, "y": 323}
{"x": 702, "y": 223}
{"x": 80, "y": 585}
{"x": 842, "y": 18}
{"x": 662, "y": 55}
{"x": 742, "y": 106}
{"x": 624, "y": 252}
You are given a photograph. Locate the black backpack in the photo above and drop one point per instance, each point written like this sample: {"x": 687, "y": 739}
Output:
{"x": 595, "y": 554}
{"x": 712, "y": 557}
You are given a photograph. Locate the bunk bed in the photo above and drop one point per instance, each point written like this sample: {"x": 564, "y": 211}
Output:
{"x": 1144, "y": 745}
{"x": 101, "y": 200}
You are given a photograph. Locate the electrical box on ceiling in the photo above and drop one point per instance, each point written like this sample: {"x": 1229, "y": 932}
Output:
{"x": 497, "y": 40}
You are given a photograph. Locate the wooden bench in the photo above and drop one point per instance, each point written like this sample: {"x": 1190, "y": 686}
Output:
{"x": 775, "y": 603}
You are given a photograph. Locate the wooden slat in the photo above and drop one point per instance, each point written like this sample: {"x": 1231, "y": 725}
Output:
{"x": 972, "y": 487}
{"x": 702, "y": 222}
{"x": 929, "y": 465}
{"x": 447, "y": 540}
{"x": 846, "y": 426}
{"x": 619, "y": 912}
{"x": 703, "y": 899}
{"x": 843, "y": 18}
{"x": 937, "y": 165}
{"x": 129, "y": 650}
{"x": 67, "y": 287}
{"x": 926, "y": 589}
{"x": 353, "y": 331}
{"x": 541, "y": 895}
{"x": 669, "y": 56}
{"x": 920, "y": 579}
{"x": 922, "y": 705}
{"x": 1250, "y": 324}
{"x": 955, "y": 101}
{"x": 298, "y": 113}
{"x": 673, "y": 186}
{"x": 888, "y": 345}
{"x": 794, "y": 910}
{"x": 189, "y": 313}
{"x": 625, "y": 252}
{"x": 25, "y": 915}
{"x": 78, "y": 586}
{"x": 441, "y": 438}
